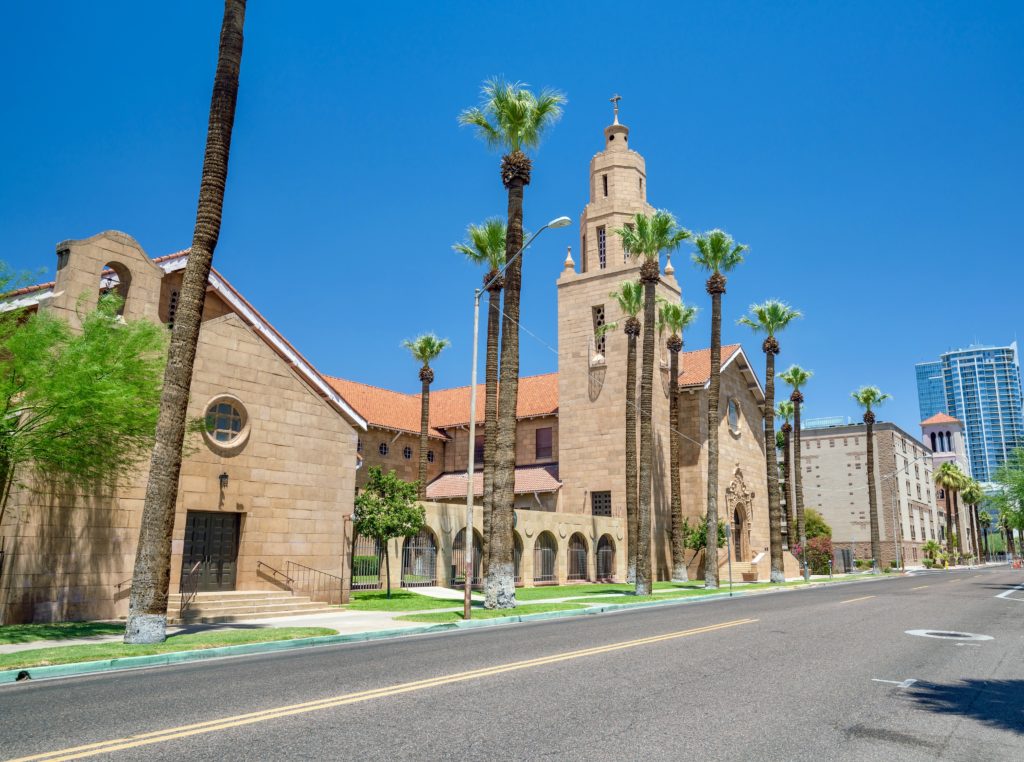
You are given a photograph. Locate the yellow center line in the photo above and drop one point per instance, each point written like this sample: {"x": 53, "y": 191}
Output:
{"x": 921, "y": 587}
{"x": 854, "y": 600}
{"x": 224, "y": 723}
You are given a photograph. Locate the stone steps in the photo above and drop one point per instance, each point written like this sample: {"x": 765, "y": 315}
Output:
{"x": 212, "y": 608}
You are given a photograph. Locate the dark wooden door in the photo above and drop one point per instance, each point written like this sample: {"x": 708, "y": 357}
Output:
{"x": 211, "y": 540}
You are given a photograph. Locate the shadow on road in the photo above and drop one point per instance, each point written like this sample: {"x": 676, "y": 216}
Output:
{"x": 996, "y": 703}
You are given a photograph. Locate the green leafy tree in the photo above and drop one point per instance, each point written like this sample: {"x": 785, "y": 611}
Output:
{"x": 931, "y": 549}
{"x": 147, "y": 610}
{"x": 386, "y": 509}
{"x": 79, "y": 407}
{"x": 984, "y": 524}
{"x": 816, "y": 524}
{"x": 485, "y": 245}
{"x": 630, "y": 299}
{"x": 869, "y": 398}
{"x": 644, "y": 239}
{"x": 972, "y": 494}
{"x": 718, "y": 254}
{"x": 696, "y": 536}
{"x": 425, "y": 349}
{"x": 674, "y": 317}
{"x": 784, "y": 410}
{"x": 1009, "y": 500}
{"x": 513, "y": 119}
{"x": 796, "y": 378}
{"x": 769, "y": 318}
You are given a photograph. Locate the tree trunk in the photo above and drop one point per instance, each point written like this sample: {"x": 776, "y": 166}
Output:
{"x": 959, "y": 533}
{"x": 424, "y": 430}
{"x": 631, "y": 460}
{"x": 787, "y": 466}
{"x": 714, "y": 389}
{"x": 778, "y": 572}
{"x": 490, "y": 416}
{"x": 500, "y": 589}
{"x": 798, "y": 478}
{"x": 949, "y": 520}
{"x": 147, "y": 615}
{"x": 876, "y": 541}
{"x": 1008, "y": 532}
{"x": 387, "y": 567}
{"x": 678, "y": 549}
{"x": 649, "y": 272}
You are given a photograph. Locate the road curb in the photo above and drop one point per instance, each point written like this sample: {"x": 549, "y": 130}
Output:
{"x": 245, "y": 649}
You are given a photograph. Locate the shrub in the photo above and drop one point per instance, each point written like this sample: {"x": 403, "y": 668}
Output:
{"x": 814, "y": 524}
{"x": 863, "y": 563}
{"x": 819, "y": 553}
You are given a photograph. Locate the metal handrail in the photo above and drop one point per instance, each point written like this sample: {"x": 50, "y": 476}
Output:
{"x": 314, "y": 582}
{"x": 123, "y": 582}
{"x": 274, "y": 572}
{"x": 189, "y": 587}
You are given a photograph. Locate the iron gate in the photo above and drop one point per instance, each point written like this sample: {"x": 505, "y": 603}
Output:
{"x": 367, "y": 563}
{"x": 456, "y": 576}
{"x": 577, "y": 558}
{"x": 545, "y": 552}
{"x": 605, "y": 559}
{"x": 419, "y": 560}
{"x": 517, "y": 558}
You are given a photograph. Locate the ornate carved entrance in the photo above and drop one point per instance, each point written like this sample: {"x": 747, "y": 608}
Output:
{"x": 740, "y": 500}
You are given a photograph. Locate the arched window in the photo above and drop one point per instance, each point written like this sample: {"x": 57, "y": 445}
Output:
{"x": 517, "y": 557}
{"x": 734, "y": 416}
{"x": 545, "y": 551}
{"x": 949, "y": 442}
{"x": 407, "y": 452}
{"x": 605, "y": 559}
{"x": 383, "y": 449}
{"x": 456, "y": 576}
{"x": 576, "y": 558}
{"x": 430, "y": 456}
{"x": 933, "y": 442}
{"x": 115, "y": 278}
{"x": 419, "y": 560}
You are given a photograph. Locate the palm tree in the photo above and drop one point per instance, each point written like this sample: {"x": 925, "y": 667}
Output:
{"x": 984, "y": 523}
{"x": 485, "y": 245}
{"x": 1006, "y": 524}
{"x": 511, "y": 118}
{"x": 870, "y": 397}
{"x": 972, "y": 494}
{"x": 784, "y": 410}
{"x": 951, "y": 480}
{"x": 797, "y": 377}
{"x": 147, "y": 611}
{"x": 425, "y": 348}
{"x": 630, "y": 298}
{"x": 645, "y": 238}
{"x": 718, "y": 254}
{"x": 769, "y": 318}
{"x": 675, "y": 317}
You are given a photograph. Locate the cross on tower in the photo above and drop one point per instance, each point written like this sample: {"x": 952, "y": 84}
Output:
{"x": 615, "y": 104}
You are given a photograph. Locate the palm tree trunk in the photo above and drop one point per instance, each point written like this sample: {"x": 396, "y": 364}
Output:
{"x": 876, "y": 540}
{"x": 714, "y": 390}
{"x": 956, "y": 523}
{"x": 147, "y": 615}
{"x": 500, "y": 589}
{"x": 787, "y": 466}
{"x": 678, "y": 550}
{"x": 798, "y": 478}
{"x": 490, "y": 415}
{"x": 778, "y": 572}
{"x": 649, "y": 272}
{"x": 424, "y": 429}
{"x": 631, "y": 459}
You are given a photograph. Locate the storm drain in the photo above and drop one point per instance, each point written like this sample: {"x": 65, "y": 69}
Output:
{"x": 948, "y": 635}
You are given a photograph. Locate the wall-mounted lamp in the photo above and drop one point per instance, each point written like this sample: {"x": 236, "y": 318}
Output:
{"x": 223, "y": 478}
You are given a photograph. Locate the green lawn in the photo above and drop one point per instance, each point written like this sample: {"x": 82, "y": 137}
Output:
{"x": 456, "y": 616}
{"x": 40, "y": 657}
{"x": 565, "y": 591}
{"x": 401, "y": 600}
{"x": 26, "y": 633}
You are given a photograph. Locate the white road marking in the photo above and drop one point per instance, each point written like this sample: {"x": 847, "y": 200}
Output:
{"x": 898, "y": 683}
{"x": 1007, "y": 593}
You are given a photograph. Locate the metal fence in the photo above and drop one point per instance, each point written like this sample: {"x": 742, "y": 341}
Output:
{"x": 318, "y": 585}
{"x": 457, "y": 573}
{"x": 577, "y": 559}
{"x": 545, "y": 553}
{"x": 517, "y": 558}
{"x": 419, "y": 560}
{"x": 367, "y": 563}
{"x": 605, "y": 559}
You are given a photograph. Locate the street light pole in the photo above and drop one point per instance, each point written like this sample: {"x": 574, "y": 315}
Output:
{"x": 467, "y": 543}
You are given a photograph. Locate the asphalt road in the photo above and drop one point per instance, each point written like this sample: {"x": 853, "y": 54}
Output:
{"x": 825, "y": 673}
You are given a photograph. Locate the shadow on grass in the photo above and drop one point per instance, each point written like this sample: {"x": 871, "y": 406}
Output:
{"x": 995, "y": 703}
{"x": 27, "y": 633}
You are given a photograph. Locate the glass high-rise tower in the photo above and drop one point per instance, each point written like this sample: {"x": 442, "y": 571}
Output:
{"x": 981, "y": 387}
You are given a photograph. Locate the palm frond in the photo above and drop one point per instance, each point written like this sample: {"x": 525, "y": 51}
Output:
{"x": 426, "y": 347}
{"x": 717, "y": 252}
{"x": 769, "y": 317}
{"x": 510, "y": 116}
{"x": 675, "y": 317}
{"x": 649, "y": 235}
{"x": 796, "y": 377}
{"x": 870, "y": 397}
{"x": 629, "y": 297}
{"x": 785, "y": 410}
{"x": 485, "y": 243}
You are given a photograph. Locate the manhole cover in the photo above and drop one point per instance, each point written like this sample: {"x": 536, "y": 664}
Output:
{"x": 948, "y": 635}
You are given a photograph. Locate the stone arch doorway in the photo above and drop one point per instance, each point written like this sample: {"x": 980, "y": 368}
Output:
{"x": 457, "y": 575}
{"x": 116, "y": 279}
{"x": 605, "y": 559}
{"x": 740, "y": 534}
{"x": 740, "y": 500}
{"x": 576, "y": 559}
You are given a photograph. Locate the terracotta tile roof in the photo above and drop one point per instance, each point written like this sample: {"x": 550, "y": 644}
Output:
{"x": 383, "y": 407}
{"x": 540, "y": 478}
{"x": 538, "y": 395}
{"x": 696, "y": 365}
{"x": 940, "y": 418}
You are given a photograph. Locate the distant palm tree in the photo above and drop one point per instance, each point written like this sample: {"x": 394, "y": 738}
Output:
{"x": 984, "y": 522}
{"x": 147, "y": 608}
{"x": 931, "y": 549}
{"x": 510, "y": 118}
{"x": 485, "y": 245}
{"x": 869, "y": 398}
{"x": 675, "y": 317}
{"x": 645, "y": 238}
{"x": 716, "y": 253}
{"x": 972, "y": 494}
{"x": 1006, "y": 524}
{"x": 769, "y": 318}
{"x": 630, "y": 298}
{"x": 425, "y": 349}
{"x": 951, "y": 480}
{"x": 784, "y": 410}
{"x": 796, "y": 377}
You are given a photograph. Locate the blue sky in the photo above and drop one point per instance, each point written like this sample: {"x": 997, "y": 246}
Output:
{"x": 869, "y": 153}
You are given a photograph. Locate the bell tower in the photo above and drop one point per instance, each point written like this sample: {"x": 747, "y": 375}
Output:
{"x": 591, "y": 365}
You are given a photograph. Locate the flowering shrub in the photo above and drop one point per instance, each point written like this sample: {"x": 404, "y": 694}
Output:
{"x": 819, "y": 553}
